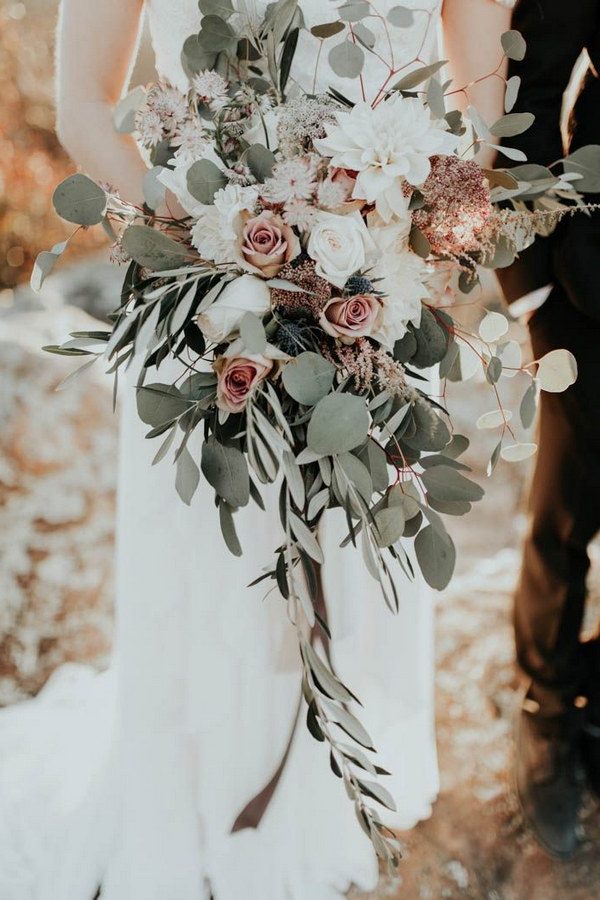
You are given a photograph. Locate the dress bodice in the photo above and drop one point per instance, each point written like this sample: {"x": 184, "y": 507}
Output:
{"x": 172, "y": 21}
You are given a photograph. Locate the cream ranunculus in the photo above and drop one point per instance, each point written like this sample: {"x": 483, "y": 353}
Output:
{"x": 221, "y": 321}
{"x": 340, "y": 246}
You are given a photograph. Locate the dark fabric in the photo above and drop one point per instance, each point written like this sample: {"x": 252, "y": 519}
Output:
{"x": 565, "y": 506}
{"x": 557, "y": 32}
{"x": 565, "y": 495}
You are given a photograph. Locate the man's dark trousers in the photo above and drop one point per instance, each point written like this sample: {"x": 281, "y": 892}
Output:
{"x": 565, "y": 497}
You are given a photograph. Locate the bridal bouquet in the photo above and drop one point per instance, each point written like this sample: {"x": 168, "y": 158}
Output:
{"x": 298, "y": 296}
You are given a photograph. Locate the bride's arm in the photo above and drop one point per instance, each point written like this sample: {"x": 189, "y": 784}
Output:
{"x": 96, "y": 44}
{"x": 472, "y": 31}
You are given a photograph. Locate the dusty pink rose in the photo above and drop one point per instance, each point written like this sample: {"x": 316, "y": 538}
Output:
{"x": 236, "y": 379}
{"x": 348, "y": 318}
{"x": 267, "y": 243}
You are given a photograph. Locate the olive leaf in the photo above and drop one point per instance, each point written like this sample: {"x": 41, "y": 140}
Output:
{"x": 187, "y": 478}
{"x": 418, "y": 76}
{"x": 44, "y": 263}
{"x": 330, "y": 29}
{"x": 512, "y": 124}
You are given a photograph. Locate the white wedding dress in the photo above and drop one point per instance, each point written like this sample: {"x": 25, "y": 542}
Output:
{"x": 133, "y": 779}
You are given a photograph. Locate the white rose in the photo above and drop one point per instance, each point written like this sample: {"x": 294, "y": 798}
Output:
{"x": 340, "y": 246}
{"x": 245, "y": 294}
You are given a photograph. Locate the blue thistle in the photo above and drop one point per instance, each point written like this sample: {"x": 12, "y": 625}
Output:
{"x": 358, "y": 284}
{"x": 291, "y": 337}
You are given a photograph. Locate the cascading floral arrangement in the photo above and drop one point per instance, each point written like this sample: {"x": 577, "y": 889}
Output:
{"x": 301, "y": 293}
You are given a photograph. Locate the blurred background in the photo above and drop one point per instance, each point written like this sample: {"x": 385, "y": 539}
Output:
{"x": 57, "y": 503}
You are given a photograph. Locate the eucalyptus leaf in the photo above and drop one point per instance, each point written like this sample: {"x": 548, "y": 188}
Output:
{"x": 204, "y": 179}
{"x": 390, "y": 524}
{"x": 447, "y": 483}
{"x": 216, "y": 35}
{"x": 308, "y": 378}
{"x": 401, "y": 16}
{"x": 226, "y": 470}
{"x": 353, "y": 10}
{"x": 158, "y": 404}
{"x": 153, "y": 249}
{"x": 585, "y": 162}
{"x": 514, "y": 45}
{"x": 436, "y": 557}
{"x": 222, "y": 8}
{"x": 513, "y": 86}
{"x": 364, "y": 35}
{"x": 347, "y": 59}
{"x": 79, "y": 199}
{"x": 260, "y": 161}
{"x": 357, "y": 474}
{"x": 195, "y": 58}
{"x": 340, "y": 422}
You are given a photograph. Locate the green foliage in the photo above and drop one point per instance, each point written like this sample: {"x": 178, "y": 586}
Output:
{"x": 226, "y": 470}
{"x": 80, "y": 200}
{"x": 339, "y": 423}
{"x": 153, "y": 249}
{"x": 204, "y": 179}
{"x": 308, "y": 378}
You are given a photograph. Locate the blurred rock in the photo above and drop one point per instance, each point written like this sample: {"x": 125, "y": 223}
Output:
{"x": 57, "y": 481}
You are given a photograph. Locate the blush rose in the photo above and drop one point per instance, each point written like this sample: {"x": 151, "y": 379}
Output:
{"x": 267, "y": 244}
{"x": 348, "y": 318}
{"x": 237, "y": 377}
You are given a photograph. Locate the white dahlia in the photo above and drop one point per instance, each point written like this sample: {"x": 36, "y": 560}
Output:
{"x": 402, "y": 277}
{"x": 384, "y": 145}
